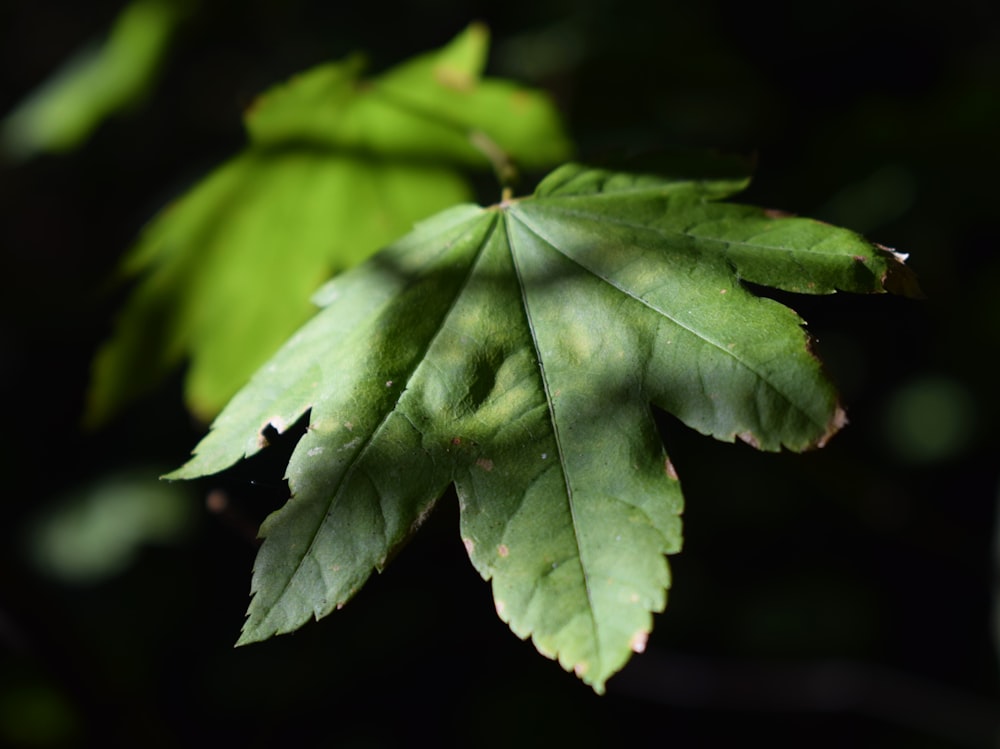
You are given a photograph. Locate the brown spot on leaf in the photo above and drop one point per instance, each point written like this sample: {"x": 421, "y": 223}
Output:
{"x": 502, "y": 550}
{"x": 775, "y": 213}
{"x": 581, "y": 668}
{"x": 456, "y": 441}
{"x": 485, "y": 463}
{"x": 750, "y": 439}
{"x": 519, "y": 101}
{"x": 453, "y": 78}
{"x": 470, "y": 546}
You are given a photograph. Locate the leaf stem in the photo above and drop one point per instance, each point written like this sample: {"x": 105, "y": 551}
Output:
{"x": 503, "y": 166}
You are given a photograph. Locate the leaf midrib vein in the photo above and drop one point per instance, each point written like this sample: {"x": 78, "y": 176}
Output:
{"x": 522, "y": 285}
{"x": 657, "y": 191}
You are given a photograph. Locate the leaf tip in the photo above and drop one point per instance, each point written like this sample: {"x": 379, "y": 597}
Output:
{"x": 638, "y": 641}
{"x": 464, "y": 59}
{"x": 670, "y": 470}
{"x": 837, "y": 422}
{"x": 899, "y": 278}
{"x": 247, "y": 637}
{"x": 581, "y": 671}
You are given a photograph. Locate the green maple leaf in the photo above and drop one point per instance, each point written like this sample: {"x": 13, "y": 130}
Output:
{"x": 515, "y": 351}
{"x": 337, "y": 166}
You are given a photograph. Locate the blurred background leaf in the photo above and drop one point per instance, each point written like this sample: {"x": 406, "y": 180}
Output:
{"x": 337, "y": 166}
{"x": 95, "y": 533}
{"x": 99, "y": 81}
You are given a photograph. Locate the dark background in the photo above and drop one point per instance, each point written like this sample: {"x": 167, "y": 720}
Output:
{"x": 841, "y": 596}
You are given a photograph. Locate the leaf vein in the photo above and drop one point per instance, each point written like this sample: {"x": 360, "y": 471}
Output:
{"x": 669, "y": 232}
